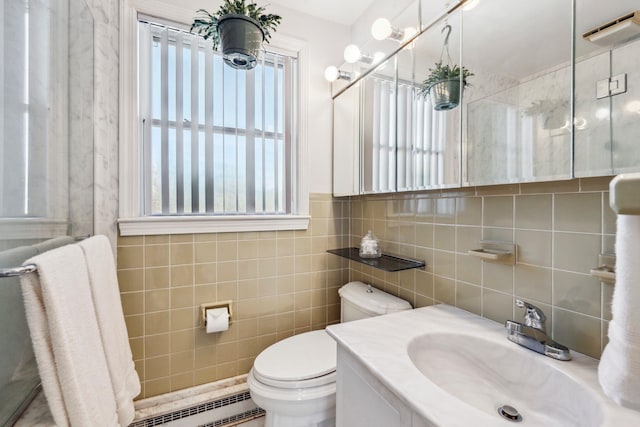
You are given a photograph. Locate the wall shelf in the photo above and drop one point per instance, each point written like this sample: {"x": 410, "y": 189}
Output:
{"x": 388, "y": 263}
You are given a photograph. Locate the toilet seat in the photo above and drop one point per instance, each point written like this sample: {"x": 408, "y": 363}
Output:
{"x": 304, "y": 360}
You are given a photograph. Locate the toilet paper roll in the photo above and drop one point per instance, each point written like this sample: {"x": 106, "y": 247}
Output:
{"x": 217, "y": 320}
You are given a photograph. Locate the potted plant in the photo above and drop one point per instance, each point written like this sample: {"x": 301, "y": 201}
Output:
{"x": 553, "y": 112}
{"x": 443, "y": 84}
{"x": 240, "y": 28}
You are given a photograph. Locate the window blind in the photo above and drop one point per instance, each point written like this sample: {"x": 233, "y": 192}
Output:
{"x": 216, "y": 140}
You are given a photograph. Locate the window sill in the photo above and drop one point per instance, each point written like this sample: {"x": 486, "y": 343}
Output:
{"x": 160, "y": 225}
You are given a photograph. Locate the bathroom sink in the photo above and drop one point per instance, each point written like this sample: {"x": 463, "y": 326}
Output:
{"x": 489, "y": 375}
{"x": 440, "y": 366}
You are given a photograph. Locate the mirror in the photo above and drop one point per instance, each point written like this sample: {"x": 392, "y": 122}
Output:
{"x": 606, "y": 126}
{"x": 429, "y": 122}
{"x": 346, "y": 146}
{"x": 514, "y": 123}
{"x": 516, "y": 113}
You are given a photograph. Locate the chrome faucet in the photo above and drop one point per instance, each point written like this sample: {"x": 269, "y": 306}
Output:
{"x": 532, "y": 334}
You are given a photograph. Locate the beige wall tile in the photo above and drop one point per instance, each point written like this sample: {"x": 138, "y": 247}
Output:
{"x": 157, "y": 300}
{"x": 182, "y": 297}
{"x": 445, "y": 211}
{"x": 182, "y": 275}
{"x": 468, "y": 238}
{"x": 135, "y": 325}
{"x": 469, "y": 211}
{"x": 227, "y": 250}
{"x": 130, "y": 257}
{"x": 494, "y": 190}
{"x": 577, "y": 292}
{"x": 444, "y": 237}
{"x": 157, "y": 278}
{"x": 569, "y": 186}
{"x": 157, "y": 345}
{"x": 469, "y": 269}
{"x": 533, "y": 283}
{"x": 444, "y": 290}
{"x": 576, "y": 252}
{"x": 205, "y": 273}
{"x": 131, "y": 280}
{"x": 497, "y": 276}
{"x": 444, "y": 263}
{"x": 534, "y": 247}
{"x": 498, "y": 211}
{"x": 580, "y": 212}
{"x": 497, "y": 306}
{"x": 132, "y": 303}
{"x": 469, "y": 297}
{"x": 205, "y": 251}
{"x": 600, "y": 183}
{"x": 156, "y": 240}
{"x": 156, "y": 367}
{"x": 156, "y": 255}
{"x": 181, "y": 253}
{"x": 157, "y": 322}
{"x": 534, "y": 211}
{"x": 130, "y": 241}
{"x": 608, "y": 216}
{"x": 577, "y": 331}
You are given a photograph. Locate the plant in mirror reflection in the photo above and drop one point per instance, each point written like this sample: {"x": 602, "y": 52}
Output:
{"x": 444, "y": 72}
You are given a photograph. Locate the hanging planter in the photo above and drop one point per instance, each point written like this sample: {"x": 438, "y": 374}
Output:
{"x": 445, "y": 83}
{"x": 239, "y": 29}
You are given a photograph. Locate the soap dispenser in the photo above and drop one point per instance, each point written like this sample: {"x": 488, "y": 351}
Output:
{"x": 370, "y": 246}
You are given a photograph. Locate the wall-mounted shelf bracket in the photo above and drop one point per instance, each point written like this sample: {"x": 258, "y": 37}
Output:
{"x": 501, "y": 252}
{"x": 607, "y": 270}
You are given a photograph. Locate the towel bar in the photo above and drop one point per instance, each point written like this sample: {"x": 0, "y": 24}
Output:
{"x": 28, "y": 268}
{"x": 18, "y": 271}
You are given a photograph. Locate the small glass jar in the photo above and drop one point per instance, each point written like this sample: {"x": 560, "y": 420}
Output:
{"x": 370, "y": 246}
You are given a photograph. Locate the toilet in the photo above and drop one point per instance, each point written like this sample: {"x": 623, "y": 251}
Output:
{"x": 294, "y": 380}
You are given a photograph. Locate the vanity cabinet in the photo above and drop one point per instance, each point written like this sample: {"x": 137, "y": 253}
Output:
{"x": 364, "y": 401}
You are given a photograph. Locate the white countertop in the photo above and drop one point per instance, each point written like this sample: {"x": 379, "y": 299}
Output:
{"x": 380, "y": 344}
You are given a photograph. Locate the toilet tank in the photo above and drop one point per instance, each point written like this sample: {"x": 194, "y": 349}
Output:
{"x": 359, "y": 300}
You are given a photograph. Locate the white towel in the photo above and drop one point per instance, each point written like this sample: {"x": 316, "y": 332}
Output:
{"x": 66, "y": 339}
{"x": 106, "y": 298}
{"x": 619, "y": 368}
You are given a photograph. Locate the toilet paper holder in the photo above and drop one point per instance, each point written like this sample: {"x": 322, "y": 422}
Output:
{"x": 212, "y": 305}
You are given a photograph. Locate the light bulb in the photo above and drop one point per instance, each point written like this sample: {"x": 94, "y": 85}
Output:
{"x": 470, "y": 4}
{"x": 352, "y": 54}
{"x": 331, "y": 73}
{"x": 378, "y": 56}
{"x": 381, "y": 29}
{"x": 408, "y": 33}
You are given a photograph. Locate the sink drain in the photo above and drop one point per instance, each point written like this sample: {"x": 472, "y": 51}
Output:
{"x": 510, "y": 413}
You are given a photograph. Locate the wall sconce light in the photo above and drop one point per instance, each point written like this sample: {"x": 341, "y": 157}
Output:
{"x": 352, "y": 54}
{"x": 382, "y": 29}
{"x": 332, "y": 73}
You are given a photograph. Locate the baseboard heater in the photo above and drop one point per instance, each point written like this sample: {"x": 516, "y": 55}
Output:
{"x": 216, "y": 413}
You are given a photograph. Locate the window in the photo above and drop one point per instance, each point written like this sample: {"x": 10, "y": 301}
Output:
{"x": 205, "y": 147}
{"x": 216, "y": 140}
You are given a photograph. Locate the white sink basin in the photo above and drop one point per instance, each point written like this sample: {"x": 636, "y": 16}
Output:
{"x": 451, "y": 368}
{"x": 489, "y": 375}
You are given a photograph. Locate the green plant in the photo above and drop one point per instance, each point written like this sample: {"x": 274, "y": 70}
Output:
{"x": 444, "y": 72}
{"x": 207, "y": 23}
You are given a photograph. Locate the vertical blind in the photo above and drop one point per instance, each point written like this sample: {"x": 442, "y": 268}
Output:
{"x": 216, "y": 140}
{"x": 405, "y": 150}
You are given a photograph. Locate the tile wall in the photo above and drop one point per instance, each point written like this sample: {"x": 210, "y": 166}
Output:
{"x": 282, "y": 283}
{"x": 559, "y": 227}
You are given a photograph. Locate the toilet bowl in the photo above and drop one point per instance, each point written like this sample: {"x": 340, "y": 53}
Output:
{"x": 294, "y": 380}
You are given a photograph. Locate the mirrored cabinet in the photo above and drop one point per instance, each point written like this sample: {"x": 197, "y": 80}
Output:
{"x": 550, "y": 92}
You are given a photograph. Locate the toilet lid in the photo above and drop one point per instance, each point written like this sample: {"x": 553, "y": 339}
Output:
{"x": 308, "y": 357}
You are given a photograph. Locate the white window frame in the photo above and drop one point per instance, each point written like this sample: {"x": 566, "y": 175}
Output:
{"x": 132, "y": 220}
